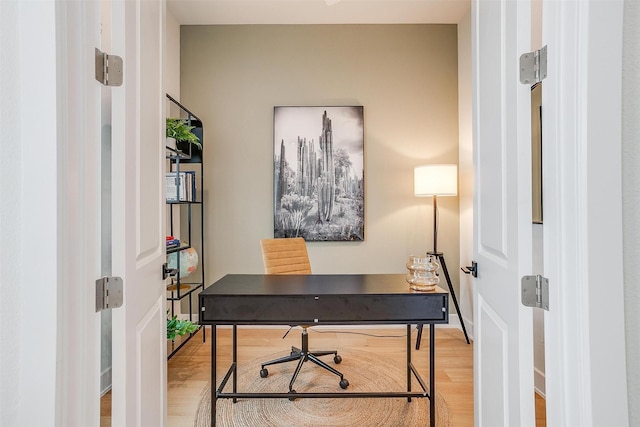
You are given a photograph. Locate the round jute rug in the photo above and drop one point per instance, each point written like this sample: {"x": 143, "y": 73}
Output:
{"x": 365, "y": 371}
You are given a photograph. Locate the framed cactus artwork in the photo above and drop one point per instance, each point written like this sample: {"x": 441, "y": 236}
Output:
{"x": 318, "y": 173}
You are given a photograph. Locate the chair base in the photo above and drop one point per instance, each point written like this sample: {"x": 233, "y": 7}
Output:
{"x": 302, "y": 355}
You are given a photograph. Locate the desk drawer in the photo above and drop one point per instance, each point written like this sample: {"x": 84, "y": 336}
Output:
{"x": 324, "y": 309}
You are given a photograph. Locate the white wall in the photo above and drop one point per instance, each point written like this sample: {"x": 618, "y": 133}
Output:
{"x": 631, "y": 199}
{"x": 405, "y": 76}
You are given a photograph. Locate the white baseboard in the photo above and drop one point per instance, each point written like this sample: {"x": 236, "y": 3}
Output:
{"x": 539, "y": 382}
{"x": 454, "y": 321}
{"x": 468, "y": 324}
{"x": 105, "y": 381}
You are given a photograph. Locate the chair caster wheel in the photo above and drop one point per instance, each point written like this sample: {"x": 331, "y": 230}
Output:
{"x": 337, "y": 359}
{"x": 264, "y": 373}
{"x": 344, "y": 384}
{"x": 292, "y": 392}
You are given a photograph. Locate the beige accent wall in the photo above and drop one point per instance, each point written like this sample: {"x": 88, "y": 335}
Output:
{"x": 405, "y": 76}
{"x": 465, "y": 171}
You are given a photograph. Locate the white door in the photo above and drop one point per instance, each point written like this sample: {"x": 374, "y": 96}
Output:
{"x": 139, "y": 326}
{"x": 503, "y": 350}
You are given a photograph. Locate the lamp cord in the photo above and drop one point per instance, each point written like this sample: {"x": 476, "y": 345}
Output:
{"x": 436, "y": 221}
{"x": 437, "y": 226}
{"x": 287, "y": 333}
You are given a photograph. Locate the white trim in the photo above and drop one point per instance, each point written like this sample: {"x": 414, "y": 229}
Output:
{"x": 631, "y": 208}
{"x": 468, "y": 323}
{"x": 105, "y": 381}
{"x": 582, "y": 232}
{"x": 78, "y": 181}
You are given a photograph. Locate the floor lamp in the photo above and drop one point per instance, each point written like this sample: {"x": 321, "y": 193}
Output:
{"x": 434, "y": 181}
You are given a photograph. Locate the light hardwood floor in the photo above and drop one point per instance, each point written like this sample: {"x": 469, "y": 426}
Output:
{"x": 189, "y": 369}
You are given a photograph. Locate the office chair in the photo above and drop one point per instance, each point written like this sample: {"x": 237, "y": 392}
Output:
{"x": 289, "y": 256}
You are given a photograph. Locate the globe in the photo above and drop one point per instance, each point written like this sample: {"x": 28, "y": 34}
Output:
{"x": 188, "y": 262}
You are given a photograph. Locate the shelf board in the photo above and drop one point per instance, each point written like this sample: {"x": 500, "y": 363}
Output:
{"x": 178, "y": 249}
{"x": 175, "y": 154}
{"x": 182, "y": 202}
{"x": 174, "y": 287}
{"x": 185, "y": 290}
{"x": 174, "y": 346}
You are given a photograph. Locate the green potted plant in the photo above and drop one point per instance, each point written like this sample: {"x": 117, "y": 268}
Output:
{"x": 177, "y": 327}
{"x": 180, "y": 131}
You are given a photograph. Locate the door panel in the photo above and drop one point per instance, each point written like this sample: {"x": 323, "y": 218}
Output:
{"x": 139, "y": 337}
{"x": 491, "y": 356}
{"x": 148, "y": 365}
{"x": 503, "y": 355}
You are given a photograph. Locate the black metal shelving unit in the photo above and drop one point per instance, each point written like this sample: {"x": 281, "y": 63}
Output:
{"x": 185, "y": 157}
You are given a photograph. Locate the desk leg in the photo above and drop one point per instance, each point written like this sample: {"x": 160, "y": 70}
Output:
{"x": 408, "y": 361}
{"x": 432, "y": 374}
{"x": 214, "y": 397}
{"x": 234, "y": 355}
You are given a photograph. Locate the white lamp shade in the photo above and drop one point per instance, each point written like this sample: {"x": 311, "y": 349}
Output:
{"x": 435, "y": 180}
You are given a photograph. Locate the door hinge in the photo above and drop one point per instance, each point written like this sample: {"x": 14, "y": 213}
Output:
{"x": 108, "y": 293}
{"x": 533, "y": 66}
{"x": 108, "y": 69}
{"x": 535, "y": 292}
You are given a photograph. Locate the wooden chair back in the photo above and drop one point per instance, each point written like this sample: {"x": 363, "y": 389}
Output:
{"x": 285, "y": 256}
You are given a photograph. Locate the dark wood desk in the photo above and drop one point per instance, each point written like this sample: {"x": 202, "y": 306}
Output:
{"x": 360, "y": 299}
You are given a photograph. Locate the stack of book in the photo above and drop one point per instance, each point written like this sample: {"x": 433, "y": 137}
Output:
{"x": 181, "y": 186}
{"x": 172, "y": 242}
